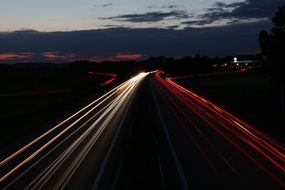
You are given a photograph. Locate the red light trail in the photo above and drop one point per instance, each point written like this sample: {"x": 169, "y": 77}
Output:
{"x": 107, "y": 82}
{"x": 199, "y": 145}
{"x": 262, "y": 150}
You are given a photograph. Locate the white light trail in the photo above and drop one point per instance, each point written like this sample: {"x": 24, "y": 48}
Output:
{"x": 113, "y": 101}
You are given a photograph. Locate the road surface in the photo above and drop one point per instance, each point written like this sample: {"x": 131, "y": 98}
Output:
{"x": 148, "y": 133}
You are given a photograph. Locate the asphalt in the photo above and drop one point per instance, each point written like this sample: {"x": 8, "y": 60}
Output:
{"x": 150, "y": 134}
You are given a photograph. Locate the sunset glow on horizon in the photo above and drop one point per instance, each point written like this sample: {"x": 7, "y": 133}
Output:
{"x": 64, "y": 31}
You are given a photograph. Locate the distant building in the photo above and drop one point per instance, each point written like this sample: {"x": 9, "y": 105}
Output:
{"x": 240, "y": 63}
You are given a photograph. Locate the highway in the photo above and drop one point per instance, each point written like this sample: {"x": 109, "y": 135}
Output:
{"x": 211, "y": 148}
{"x": 148, "y": 133}
{"x": 69, "y": 155}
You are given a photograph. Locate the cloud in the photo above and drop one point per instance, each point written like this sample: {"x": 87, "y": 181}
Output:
{"x": 151, "y": 6}
{"x": 93, "y": 44}
{"x": 170, "y": 6}
{"x": 15, "y": 56}
{"x": 173, "y": 27}
{"x": 118, "y": 57}
{"x": 197, "y": 22}
{"x": 123, "y": 56}
{"x": 50, "y": 56}
{"x": 164, "y": 7}
{"x": 238, "y": 11}
{"x": 57, "y": 56}
{"x": 150, "y": 16}
{"x": 107, "y": 5}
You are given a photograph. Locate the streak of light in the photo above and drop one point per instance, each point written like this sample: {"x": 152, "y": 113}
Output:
{"x": 248, "y": 140}
{"x": 107, "y": 82}
{"x": 55, "y": 127}
{"x": 116, "y": 99}
{"x": 179, "y": 168}
{"x": 104, "y": 74}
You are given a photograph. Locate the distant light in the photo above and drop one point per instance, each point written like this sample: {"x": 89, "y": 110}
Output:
{"x": 154, "y": 71}
{"x": 143, "y": 74}
{"x": 246, "y": 64}
{"x": 235, "y": 60}
{"x": 237, "y": 64}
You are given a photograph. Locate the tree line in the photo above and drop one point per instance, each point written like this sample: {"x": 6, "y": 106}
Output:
{"x": 273, "y": 50}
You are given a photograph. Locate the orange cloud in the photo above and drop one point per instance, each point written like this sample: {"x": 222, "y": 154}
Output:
{"x": 125, "y": 57}
{"x": 13, "y": 56}
{"x": 118, "y": 57}
{"x": 53, "y": 55}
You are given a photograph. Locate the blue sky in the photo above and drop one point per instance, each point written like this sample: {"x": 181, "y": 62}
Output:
{"x": 68, "y": 30}
{"x": 63, "y": 15}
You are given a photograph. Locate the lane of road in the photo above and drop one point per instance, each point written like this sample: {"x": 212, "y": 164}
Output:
{"x": 55, "y": 158}
{"x": 212, "y": 148}
{"x": 198, "y": 144}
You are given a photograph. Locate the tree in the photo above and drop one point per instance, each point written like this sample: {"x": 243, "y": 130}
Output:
{"x": 265, "y": 43}
{"x": 278, "y": 44}
{"x": 279, "y": 19}
{"x": 273, "y": 49}
{"x": 273, "y": 45}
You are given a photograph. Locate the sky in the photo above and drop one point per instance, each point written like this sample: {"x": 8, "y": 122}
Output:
{"x": 64, "y": 15}
{"x": 30, "y": 30}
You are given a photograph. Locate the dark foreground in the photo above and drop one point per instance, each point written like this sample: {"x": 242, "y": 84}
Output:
{"x": 252, "y": 95}
{"x": 148, "y": 133}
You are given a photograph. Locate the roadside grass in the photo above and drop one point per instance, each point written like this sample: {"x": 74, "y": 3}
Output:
{"x": 250, "y": 96}
{"x": 24, "y": 117}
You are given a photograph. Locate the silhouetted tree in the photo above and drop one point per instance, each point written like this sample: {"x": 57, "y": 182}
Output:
{"x": 265, "y": 43}
{"x": 273, "y": 49}
{"x": 273, "y": 45}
